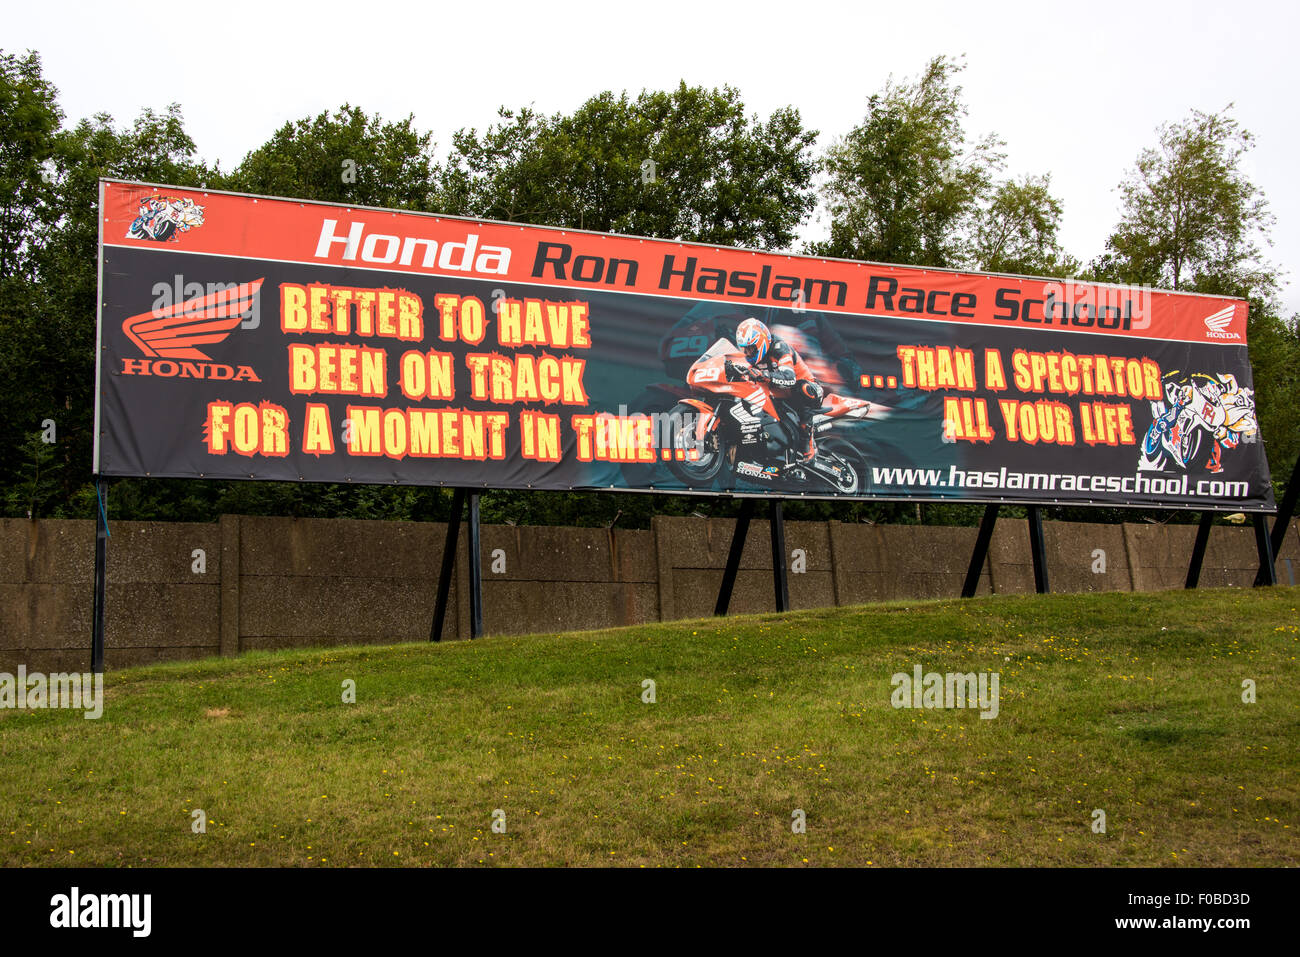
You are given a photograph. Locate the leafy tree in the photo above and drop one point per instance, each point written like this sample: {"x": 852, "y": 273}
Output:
{"x": 685, "y": 164}
{"x": 1192, "y": 220}
{"x": 49, "y": 210}
{"x": 61, "y": 333}
{"x": 1275, "y": 361}
{"x": 29, "y": 122}
{"x": 344, "y": 157}
{"x": 1191, "y": 217}
{"x": 1016, "y": 231}
{"x": 347, "y": 156}
{"x": 29, "y": 119}
{"x": 37, "y": 479}
{"x": 904, "y": 185}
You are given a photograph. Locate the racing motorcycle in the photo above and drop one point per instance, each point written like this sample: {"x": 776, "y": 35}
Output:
{"x": 160, "y": 219}
{"x": 1194, "y": 420}
{"x": 816, "y": 341}
{"x": 157, "y": 221}
{"x": 736, "y": 426}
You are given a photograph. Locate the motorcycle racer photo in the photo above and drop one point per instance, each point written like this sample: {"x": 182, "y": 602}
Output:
{"x": 822, "y": 347}
{"x": 811, "y": 334}
{"x": 752, "y": 415}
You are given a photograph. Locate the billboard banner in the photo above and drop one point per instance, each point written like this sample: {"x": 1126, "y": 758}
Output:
{"x": 246, "y": 337}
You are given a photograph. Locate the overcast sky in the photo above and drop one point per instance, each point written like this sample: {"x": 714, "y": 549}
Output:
{"x": 1075, "y": 90}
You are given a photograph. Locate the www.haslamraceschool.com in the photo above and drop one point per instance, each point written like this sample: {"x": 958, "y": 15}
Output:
{"x": 1174, "y": 486}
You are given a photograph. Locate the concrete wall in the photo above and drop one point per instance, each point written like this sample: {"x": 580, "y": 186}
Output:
{"x": 279, "y": 582}
{"x": 158, "y": 609}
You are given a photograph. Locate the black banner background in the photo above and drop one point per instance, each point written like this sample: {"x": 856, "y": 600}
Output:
{"x": 642, "y": 346}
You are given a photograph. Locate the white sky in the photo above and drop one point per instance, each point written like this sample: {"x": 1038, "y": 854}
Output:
{"x": 1075, "y": 89}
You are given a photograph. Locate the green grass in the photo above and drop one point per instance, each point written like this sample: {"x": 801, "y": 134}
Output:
{"x": 1127, "y": 703}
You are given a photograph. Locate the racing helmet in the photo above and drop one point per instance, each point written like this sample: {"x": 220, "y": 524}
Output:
{"x": 754, "y": 337}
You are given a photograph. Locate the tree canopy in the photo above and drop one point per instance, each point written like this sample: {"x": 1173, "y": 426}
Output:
{"x": 344, "y": 157}
{"x": 685, "y": 164}
{"x": 1191, "y": 217}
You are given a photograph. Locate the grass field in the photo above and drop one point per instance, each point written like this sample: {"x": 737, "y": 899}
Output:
{"x": 1130, "y": 704}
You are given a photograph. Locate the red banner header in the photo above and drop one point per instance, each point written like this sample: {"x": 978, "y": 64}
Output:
{"x": 217, "y": 223}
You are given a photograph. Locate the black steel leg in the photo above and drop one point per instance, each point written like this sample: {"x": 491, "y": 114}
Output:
{"x": 448, "y": 563}
{"x": 981, "y": 551}
{"x": 733, "y": 556}
{"x": 780, "y": 581}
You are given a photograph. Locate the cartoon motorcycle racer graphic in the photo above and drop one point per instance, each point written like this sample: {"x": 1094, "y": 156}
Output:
{"x": 1202, "y": 414}
{"x": 160, "y": 218}
{"x": 1239, "y": 421}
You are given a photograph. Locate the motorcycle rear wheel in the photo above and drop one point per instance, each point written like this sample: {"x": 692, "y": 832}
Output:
{"x": 855, "y": 481}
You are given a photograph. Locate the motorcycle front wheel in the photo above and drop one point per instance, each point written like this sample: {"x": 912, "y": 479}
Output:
{"x": 1197, "y": 446}
{"x": 701, "y": 471}
{"x": 653, "y": 402}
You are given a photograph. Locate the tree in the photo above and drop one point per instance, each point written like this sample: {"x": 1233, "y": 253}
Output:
{"x": 37, "y": 479}
{"x": 29, "y": 123}
{"x": 29, "y": 119}
{"x": 1192, "y": 220}
{"x": 1275, "y": 363}
{"x": 49, "y": 201}
{"x": 686, "y": 164}
{"x": 61, "y": 332}
{"x": 904, "y": 185}
{"x": 1191, "y": 217}
{"x": 347, "y": 157}
{"x": 1016, "y": 231}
